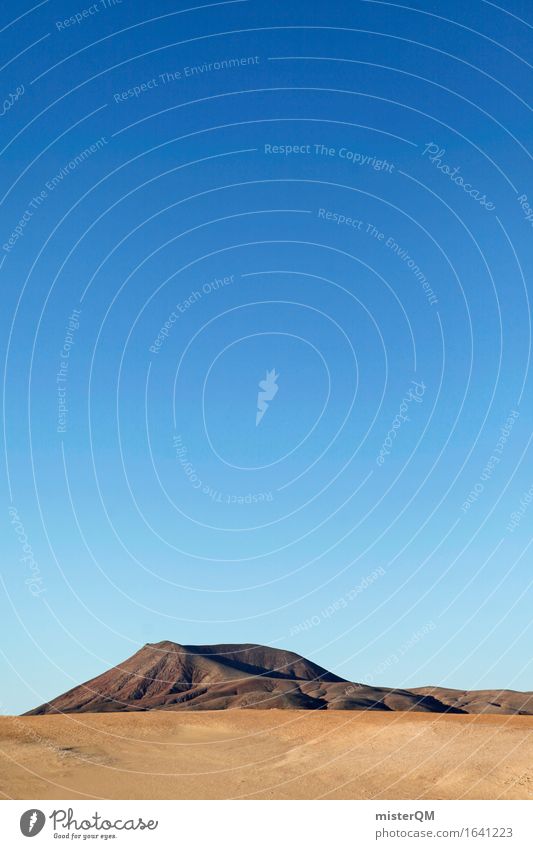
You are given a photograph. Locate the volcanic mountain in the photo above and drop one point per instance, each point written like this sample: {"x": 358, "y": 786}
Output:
{"x": 169, "y": 676}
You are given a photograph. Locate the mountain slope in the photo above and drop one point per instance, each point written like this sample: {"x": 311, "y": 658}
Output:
{"x": 169, "y": 676}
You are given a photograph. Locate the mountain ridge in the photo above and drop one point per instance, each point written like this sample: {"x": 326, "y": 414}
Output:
{"x": 171, "y": 676}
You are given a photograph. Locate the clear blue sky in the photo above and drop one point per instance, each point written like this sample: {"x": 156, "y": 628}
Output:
{"x": 193, "y": 197}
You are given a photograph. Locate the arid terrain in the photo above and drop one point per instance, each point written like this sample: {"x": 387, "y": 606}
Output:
{"x": 170, "y": 676}
{"x": 250, "y": 721}
{"x": 266, "y": 754}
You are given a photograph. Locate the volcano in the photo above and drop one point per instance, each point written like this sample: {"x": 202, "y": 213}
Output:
{"x": 170, "y": 676}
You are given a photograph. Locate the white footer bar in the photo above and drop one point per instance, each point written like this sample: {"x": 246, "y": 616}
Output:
{"x": 267, "y": 824}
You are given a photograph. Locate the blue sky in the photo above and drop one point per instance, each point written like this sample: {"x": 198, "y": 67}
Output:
{"x": 195, "y": 198}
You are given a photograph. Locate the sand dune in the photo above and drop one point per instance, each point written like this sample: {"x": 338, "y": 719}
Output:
{"x": 273, "y": 754}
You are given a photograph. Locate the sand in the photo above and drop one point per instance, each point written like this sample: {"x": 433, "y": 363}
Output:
{"x": 266, "y": 754}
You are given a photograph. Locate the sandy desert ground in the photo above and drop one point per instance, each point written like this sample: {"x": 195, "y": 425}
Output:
{"x": 262, "y": 754}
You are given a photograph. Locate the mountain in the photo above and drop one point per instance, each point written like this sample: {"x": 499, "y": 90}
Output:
{"x": 169, "y": 676}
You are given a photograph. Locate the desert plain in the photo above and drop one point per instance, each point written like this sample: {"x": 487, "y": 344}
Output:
{"x": 266, "y": 754}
